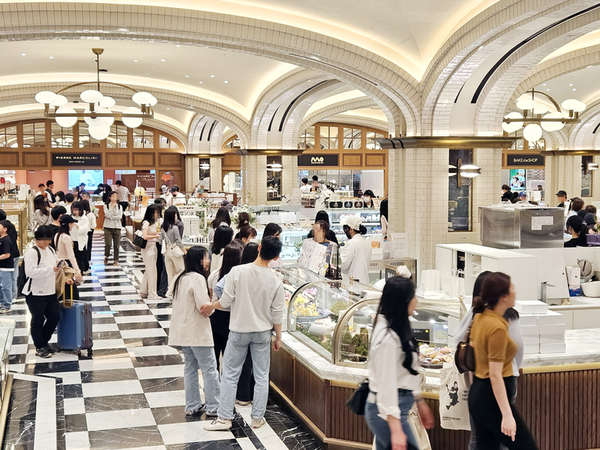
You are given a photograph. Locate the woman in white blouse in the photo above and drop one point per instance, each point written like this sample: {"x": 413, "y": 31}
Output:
{"x": 79, "y": 234}
{"x": 394, "y": 379}
{"x": 191, "y": 331}
{"x": 151, "y": 232}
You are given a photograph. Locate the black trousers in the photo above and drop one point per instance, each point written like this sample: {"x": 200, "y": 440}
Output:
{"x": 82, "y": 257}
{"x": 89, "y": 246}
{"x": 45, "y": 314}
{"x": 219, "y": 322}
{"x": 124, "y": 205}
{"x": 162, "y": 281}
{"x": 487, "y": 417}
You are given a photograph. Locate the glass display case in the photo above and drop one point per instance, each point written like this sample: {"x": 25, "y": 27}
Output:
{"x": 369, "y": 217}
{"x": 19, "y": 214}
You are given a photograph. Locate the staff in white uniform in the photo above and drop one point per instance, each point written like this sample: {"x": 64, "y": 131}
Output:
{"x": 356, "y": 254}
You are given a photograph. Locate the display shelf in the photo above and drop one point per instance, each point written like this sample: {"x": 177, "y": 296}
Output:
{"x": 19, "y": 214}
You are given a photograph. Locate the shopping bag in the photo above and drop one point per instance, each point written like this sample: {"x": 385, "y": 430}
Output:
{"x": 419, "y": 431}
{"x": 454, "y": 398}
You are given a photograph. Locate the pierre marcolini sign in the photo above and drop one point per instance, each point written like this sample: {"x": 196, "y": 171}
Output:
{"x": 71, "y": 159}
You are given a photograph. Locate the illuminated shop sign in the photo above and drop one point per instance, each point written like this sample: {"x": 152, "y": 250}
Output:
{"x": 317, "y": 160}
{"x": 73, "y": 159}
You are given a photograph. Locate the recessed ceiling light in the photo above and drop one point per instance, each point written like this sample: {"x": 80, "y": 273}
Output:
{"x": 178, "y": 46}
{"x": 135, "y": 60}
{"x": 147, "y": 73}
{"x": 571, "y": 84}
{"x": 123, "y": 30}
{"x": 212, "y": 76}
{"x": 168, "y": 109}
{"x": 200, "y": 82}
{"x": 163, "y": 60}
{"x": 225, "y": 81}
{"x": 187, "y": 76}
{"x": 51, "y": 57}
{"x": 23, "y": 54}
{"x": 544, "y": 84}
{"x": 154, "y": 67}
{"x": 548, "y": 89}
{"x": 574, "y": 89}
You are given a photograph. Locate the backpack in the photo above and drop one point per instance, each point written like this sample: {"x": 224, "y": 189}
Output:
{"x": 22, "y": 278}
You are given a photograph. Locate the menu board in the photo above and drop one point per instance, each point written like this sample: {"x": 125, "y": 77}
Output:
{"x": 312, "y": 255}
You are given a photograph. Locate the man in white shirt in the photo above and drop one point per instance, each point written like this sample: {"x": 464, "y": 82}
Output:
{"x": 40, "y": 295}
{"x": 178, "y": 197}
{"x": 356, "y": 254}
{"x": 123, "y": 199}
{"x": 257, "y": 302}
{"x": 305, "y": 188}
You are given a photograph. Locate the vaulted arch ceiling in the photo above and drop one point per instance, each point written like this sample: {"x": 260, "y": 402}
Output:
{"x": 374, "y": 75}
{"x": 336, "y": 108}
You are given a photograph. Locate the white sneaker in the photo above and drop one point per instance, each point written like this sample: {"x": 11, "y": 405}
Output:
{"x": 257, "y": 423}
{"x": 219, "y": 425}
{"x": 241, "y": 403}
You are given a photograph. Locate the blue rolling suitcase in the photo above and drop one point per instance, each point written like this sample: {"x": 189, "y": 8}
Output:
{"x": 75, "y": 328}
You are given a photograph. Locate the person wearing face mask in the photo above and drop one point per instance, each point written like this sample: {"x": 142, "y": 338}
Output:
{"x": 368, "y": 197}
{"x": 356, "y": 254}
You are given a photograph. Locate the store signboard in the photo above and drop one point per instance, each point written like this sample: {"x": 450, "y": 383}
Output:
{"x": 76, "y": 160}
{"x": 524, "y": 160}
{"x": 306, "y": 160}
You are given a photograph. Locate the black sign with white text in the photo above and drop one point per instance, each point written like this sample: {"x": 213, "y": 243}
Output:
{"x": 317, "y": 160}
{"x": 524, "y": 160}
{"x": 76, "y": 160}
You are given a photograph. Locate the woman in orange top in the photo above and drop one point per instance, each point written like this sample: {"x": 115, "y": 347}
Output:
{"x": 496, "y": 420}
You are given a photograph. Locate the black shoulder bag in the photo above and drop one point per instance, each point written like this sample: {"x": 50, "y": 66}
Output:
{"x": 464, "y": 357}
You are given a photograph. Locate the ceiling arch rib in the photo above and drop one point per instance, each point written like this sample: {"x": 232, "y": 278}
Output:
{"x": 336, "y": 108}
{"x": 556, "y": 67}
{"x": 368, "y": 72}
{"x": 581, "y": 133}
{"x": 498, "y": 91}
{"x": 358, "y": 120}
{"x": 205, "y": 135}
{"x": 165, "y": 98}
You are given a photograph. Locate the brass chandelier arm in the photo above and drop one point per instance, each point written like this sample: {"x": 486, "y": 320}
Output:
{"x": 96, "y": 82}
{"x": 116, "y": 115}
{"x": 554, "y": 102}
{"x": 541, "y": 119}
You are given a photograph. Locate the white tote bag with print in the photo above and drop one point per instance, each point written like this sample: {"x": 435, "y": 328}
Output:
{"x": 454, "y": 398}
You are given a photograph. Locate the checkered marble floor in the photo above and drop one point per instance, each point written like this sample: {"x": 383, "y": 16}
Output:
{"x": 131, "y": 393}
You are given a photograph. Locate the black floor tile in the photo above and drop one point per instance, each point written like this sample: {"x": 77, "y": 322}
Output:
{"x": 125, "y": 438}
{"x": 73, "y": 391}
{"x": 163, "y": 384}
{"x": 17, "y": 359}
{"x": 49, "y": 367}
{"x": 147, "y": 361}
{"x": 146, "y": 342}
{"x": 75, "y": 422}
{"x": 103, "y": 320}
{"x": 175, "y": 414}
{"x": 207, "y": 445}
{"x": 110, "y": 353}
{"x": 116, "y": 403}
{"x": 138, "y": 326}
{"x": 135, "y": 312}
{"x": 97, "y": 376}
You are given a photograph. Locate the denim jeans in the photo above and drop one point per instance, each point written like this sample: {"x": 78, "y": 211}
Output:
{"x": 380, "y": 427}
{"x": 15, "y": 275}
{"x": 238, "y": 344}
{"x": 6, "y": 282}
{"x": 202, "y": 358}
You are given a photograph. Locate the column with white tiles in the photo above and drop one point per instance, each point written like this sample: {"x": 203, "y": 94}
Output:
{"x": 289, "y": 175}
{"x": 487, "y": 186}
{"x": 418, "y": 203}
{"x": 192, "y": 173}
{"x": 563, "y": 173}
{"x": 254, "y": 179}
{"x": 216, "y": 174}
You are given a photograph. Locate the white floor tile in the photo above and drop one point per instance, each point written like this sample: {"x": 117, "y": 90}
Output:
{"x": 135, "y": 319}
{"x": 165, "y": 399}
{"x": 142, "y": 333}
{"x": 57, "y": 357}
{"x": 108, "y": 388}
{"x": 77, "y": 441}
{"x": 19, "y": 349}
{"x": 162, "y": 311}
{"x": 165, "y": 324}
{"x": 99, "y": 327}
{"x": 110, "y": 420}
{"x": 154, "y": 350}
{"x": 157, "y": 447}
{"x": 181, "y": 433}
{"x": 74, "y": 406}
{"x": 101, "y": 344}
{"x": 132, "y": 296}
{"x": 22, "y": 332}
{"x": 19, "y": 368}
{"x": 67, "y": 377}
{"x": 114, "y": 280}
{"x": 105, "y": 364}
{"x": 246, "y": 444}
{"x": 88, "y": 294}
{"x": 130, "y": 307}
{"x": 265, "y": 433}
{"x": 147, "y": 373}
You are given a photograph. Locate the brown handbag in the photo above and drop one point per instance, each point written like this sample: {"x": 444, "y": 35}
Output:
{"x": 464, "y": 357}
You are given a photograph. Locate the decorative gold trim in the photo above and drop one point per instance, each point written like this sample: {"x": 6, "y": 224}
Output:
{"x": 451, "y": 142}
{"x": 588, "y": 152}
{"x": 347, "y": 444}
{"x": 343, "y": 384}
{"x": 269, "y": 152}
{"x": 204, "y": 155}
{"x": 562, "y": 368}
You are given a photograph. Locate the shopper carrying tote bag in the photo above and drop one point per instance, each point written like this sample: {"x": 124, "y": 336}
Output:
{"x": 173, "y": 248}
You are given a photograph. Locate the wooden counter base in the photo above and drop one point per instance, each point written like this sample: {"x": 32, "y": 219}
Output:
{"x": 561, "y": 408}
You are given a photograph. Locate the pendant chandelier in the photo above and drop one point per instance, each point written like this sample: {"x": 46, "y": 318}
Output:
{"x": 95, "y": 108}
{"x": 537, "y": 116}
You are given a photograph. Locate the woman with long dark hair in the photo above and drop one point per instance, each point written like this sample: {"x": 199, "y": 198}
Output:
{"x": 578, "y": 230}
{"x": 246, "y": 234}
{"x": 223, "y": 236}
{"x": 222, "y": 217}
{"x": 191, "y": 331}
{"x": 79, "y": 233}
{"x": 496, "y": 420}
{"x": 393, "y": 366}
{"x": 250, "y": 253}
{"x": 41, "y": 215}
{"x": 63, "y": 243}
{"x": 174, "y": 248}
{"x": 112, "y": 226}
{"x": 151, "y": 233}
{"x": 514, "y": 331}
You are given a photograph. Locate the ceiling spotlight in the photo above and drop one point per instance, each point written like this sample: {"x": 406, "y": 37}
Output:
{"x": 135, "y": 60}
{"x": 212, "y": 76}
{"x": 178, "y": 46}
{"x": 187, "y": 76}
{"x": 200, "y": 82}
{"x": 225, "y": 81}
{"x": 163, "y": 60}
{"x": 23, "y": 54}
{"x": 51, "y": 57}
{"x": 571, "y": 84}
{"x": 574, "y": 89}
